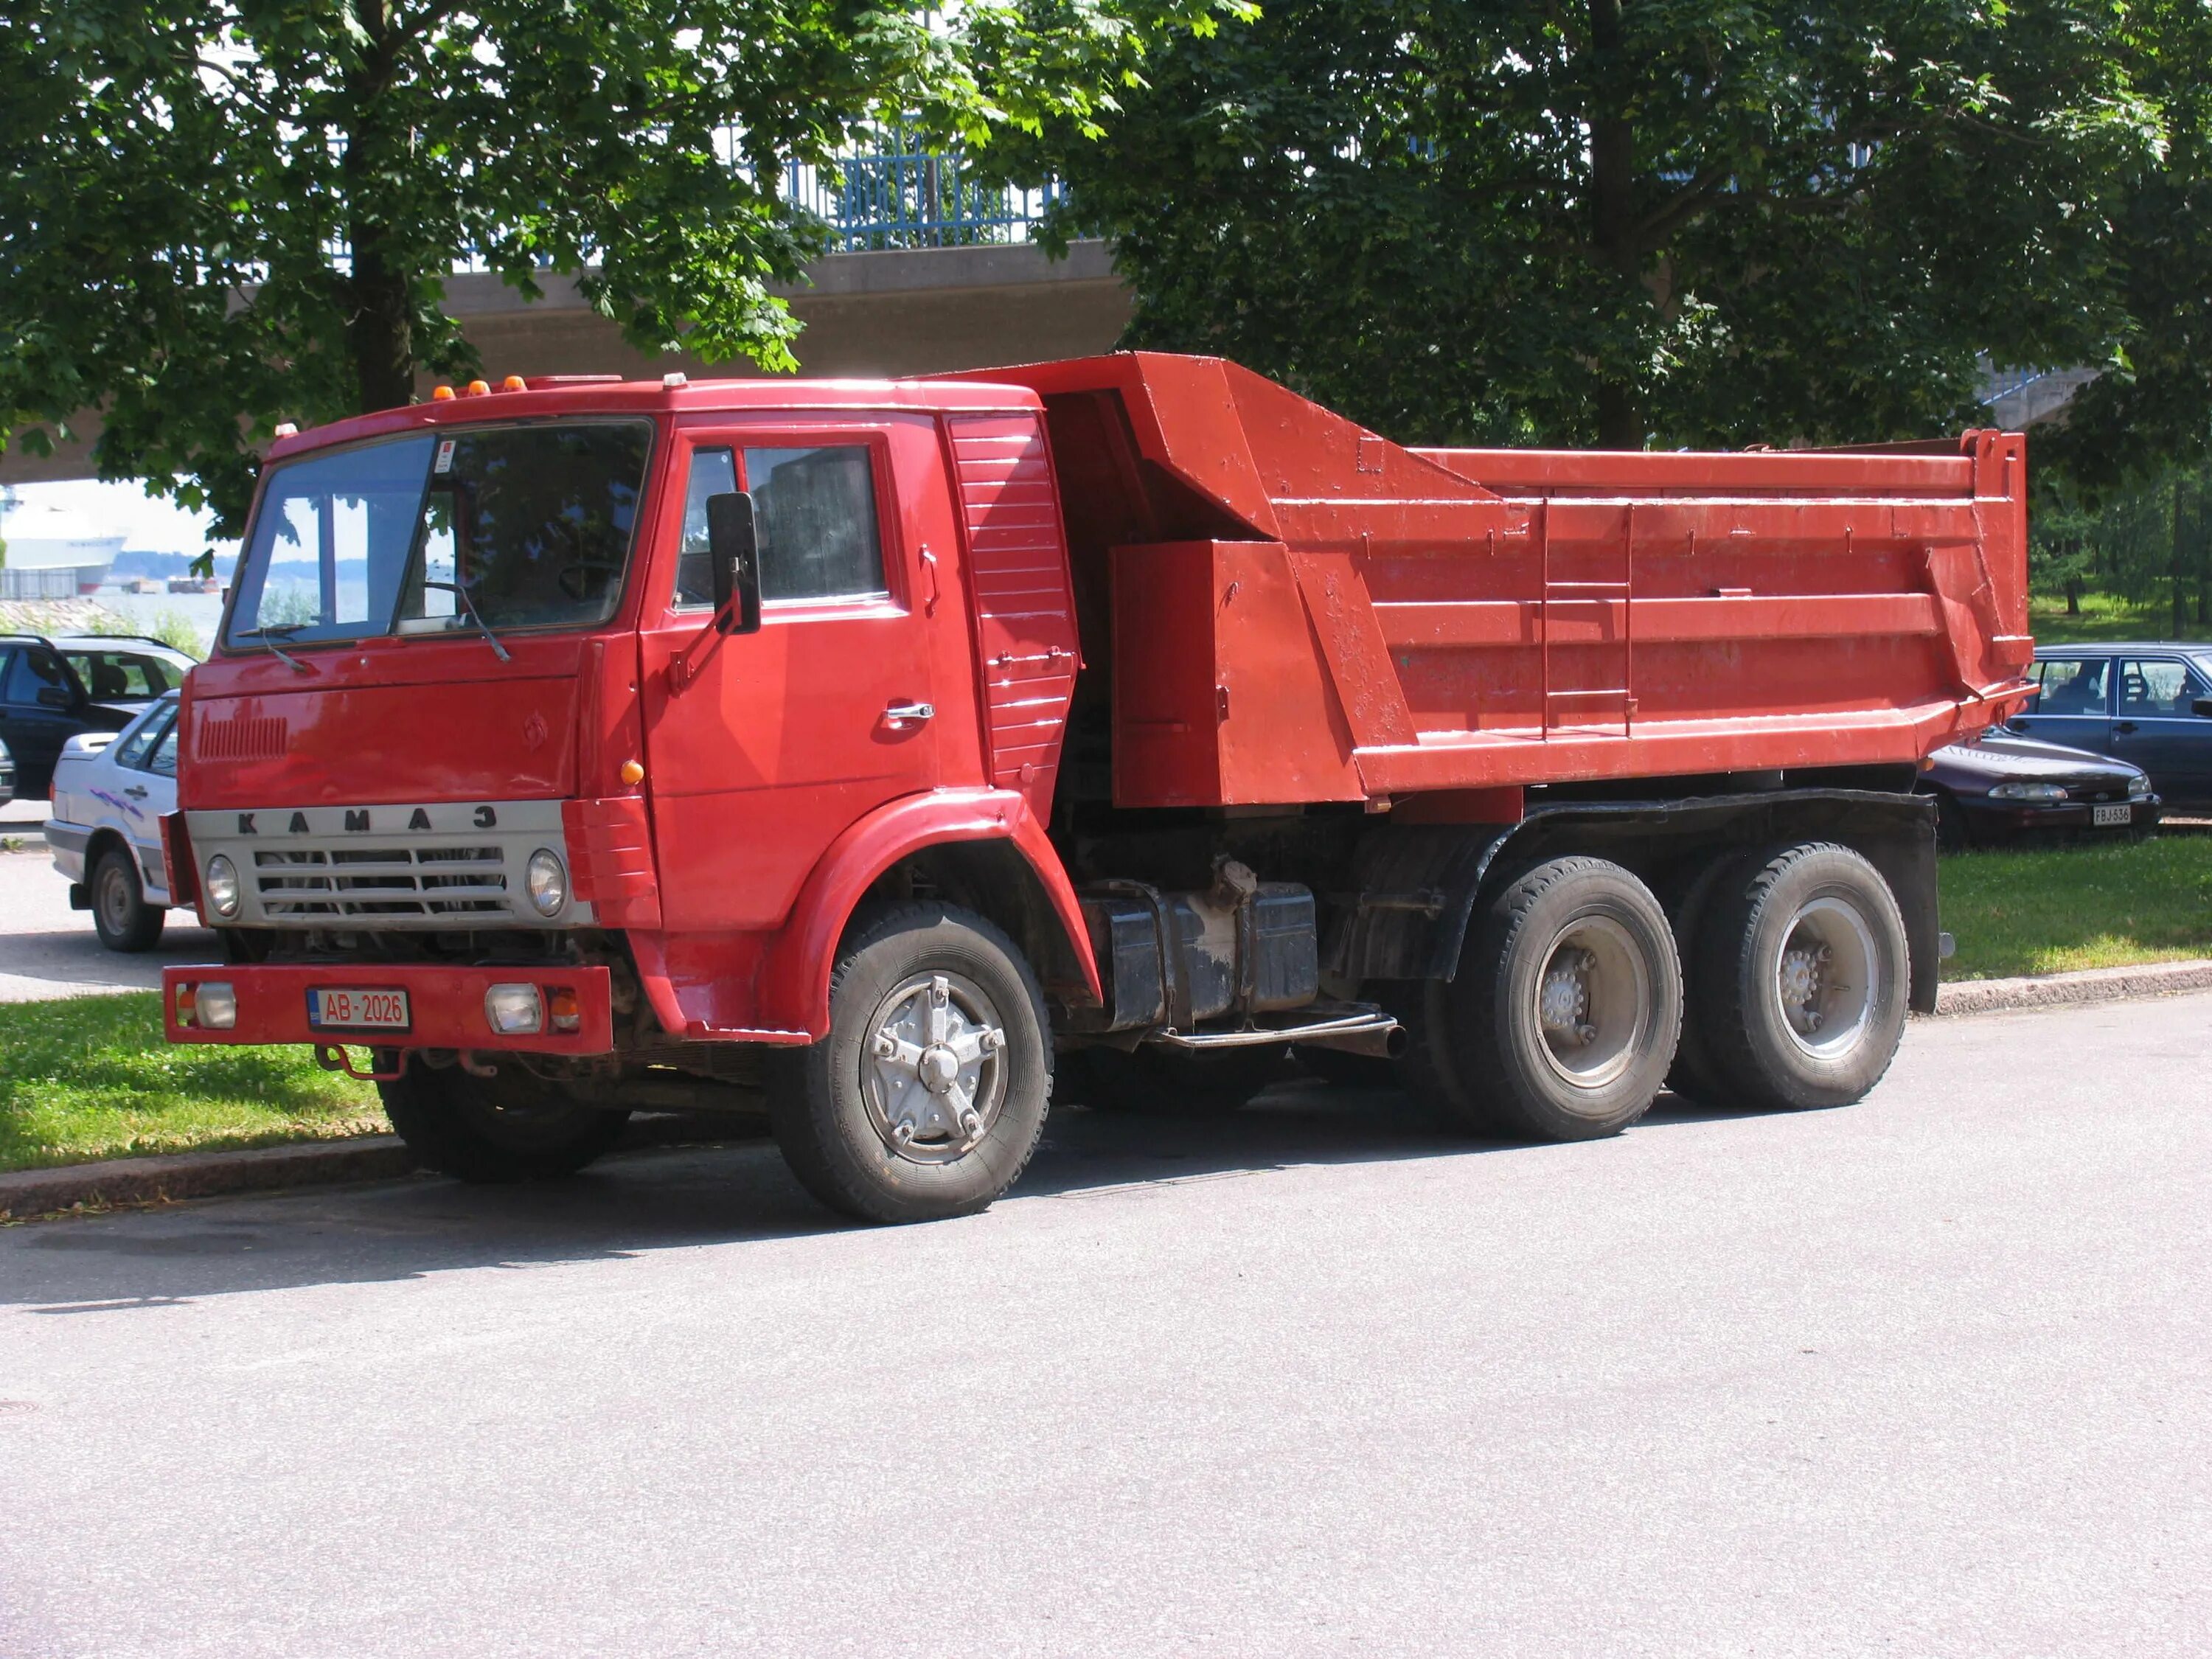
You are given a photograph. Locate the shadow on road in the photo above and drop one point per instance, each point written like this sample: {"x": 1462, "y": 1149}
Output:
{"x": 650, "y": 1200}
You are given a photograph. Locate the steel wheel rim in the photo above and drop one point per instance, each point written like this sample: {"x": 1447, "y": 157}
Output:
{"x": 1827, "y": 977}
{"x": 1592, "y": 1002}
{"x": 114, "y": 897}
{"x": 935, "y": 1073}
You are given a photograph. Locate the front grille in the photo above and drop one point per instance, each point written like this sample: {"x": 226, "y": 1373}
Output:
{"x": 2096, "y": 790}
{"x": 382, "y": 881}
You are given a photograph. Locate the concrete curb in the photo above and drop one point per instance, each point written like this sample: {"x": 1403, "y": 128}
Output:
{"x": 1989, "y": 996}
{"x": 124, "y": 1181}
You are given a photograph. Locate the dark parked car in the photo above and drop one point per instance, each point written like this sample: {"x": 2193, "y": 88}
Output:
{"x": 7, "y": 775}
{"x": 2138, "y": 703}
{"x": 2000, "y": 787}
{"x": 43, "y": 704}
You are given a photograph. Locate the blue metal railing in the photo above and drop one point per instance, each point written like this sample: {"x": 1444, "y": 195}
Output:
{"x": 893, "y": 194}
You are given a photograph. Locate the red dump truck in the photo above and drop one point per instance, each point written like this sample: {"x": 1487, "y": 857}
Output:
{"x": 583, "y": 747}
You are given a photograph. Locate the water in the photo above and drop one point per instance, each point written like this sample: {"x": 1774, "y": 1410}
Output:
{"x": 142, "y": 611}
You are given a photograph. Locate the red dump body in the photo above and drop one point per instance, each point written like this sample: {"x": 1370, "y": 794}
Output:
{"x": 1302, "y": 611}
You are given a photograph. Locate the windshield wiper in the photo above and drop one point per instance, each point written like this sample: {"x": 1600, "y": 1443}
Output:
{"x": 267, "y": 638}
{"x": 475, "y": 616}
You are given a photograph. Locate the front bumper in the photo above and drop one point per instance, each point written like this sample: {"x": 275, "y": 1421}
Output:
{"x": 2067, "y": 816}
{"x": 445, "y": 1005}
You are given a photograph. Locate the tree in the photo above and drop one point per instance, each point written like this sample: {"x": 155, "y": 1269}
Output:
{"x": 1627, "y": 220}
{"x": 216, "y": 214}
{"x": 2151, "y": 408}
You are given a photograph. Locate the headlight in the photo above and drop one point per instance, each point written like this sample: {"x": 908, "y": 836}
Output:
{"x": 515, "y": 1010}
{"x": 2138, "y": 786}
{"x": 222, "y": 886}
{"x": 212, "y": 1005}
{"x": 547, "y": 880}
{"x": 2028, "y": 792}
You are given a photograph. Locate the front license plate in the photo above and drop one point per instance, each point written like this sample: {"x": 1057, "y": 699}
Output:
{"x": 2100, "y": 816}
{"x": 357, "y": 1011}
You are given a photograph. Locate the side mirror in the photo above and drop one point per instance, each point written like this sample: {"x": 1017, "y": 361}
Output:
{"x": 733, "y": 550}
{"x": 56, "y": 696}
{"x": 2202, "y": 706}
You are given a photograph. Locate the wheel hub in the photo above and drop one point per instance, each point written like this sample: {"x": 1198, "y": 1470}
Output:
{"x": 1828, "y": 975}
{"x": 934, "y": 1076}
{"x": 1564, "y": 1002}
{"x": 1592, "y": 1002}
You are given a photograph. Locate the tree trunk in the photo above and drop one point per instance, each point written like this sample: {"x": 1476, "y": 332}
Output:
{"x": 1613, "y": 211}
{"x": 379, "y": 317}
{"x": 2175, "y": 564}
{"x": 2203, "y": 562}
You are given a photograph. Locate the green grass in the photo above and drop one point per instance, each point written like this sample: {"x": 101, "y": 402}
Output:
{"x": 92, "y": 1078}
{"x": 2104, "y": 618}
{"x": 2054, "y": 909}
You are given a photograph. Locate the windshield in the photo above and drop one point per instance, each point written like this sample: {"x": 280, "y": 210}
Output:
{"x": 527, "y": 526}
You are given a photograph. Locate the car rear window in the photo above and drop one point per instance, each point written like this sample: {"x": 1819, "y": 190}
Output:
{"x": 121, "y": 673}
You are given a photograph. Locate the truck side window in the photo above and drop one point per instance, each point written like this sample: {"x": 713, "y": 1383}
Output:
{"x": 816, "y": 509}
{"x": 714, "y": 472}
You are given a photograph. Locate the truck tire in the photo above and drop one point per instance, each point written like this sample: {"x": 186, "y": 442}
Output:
{"x": 120, "y": 915}
{"x": 1801, "y": 978}
{"x": 509, "y": 1126}
{"x": 1694, "y": 1075}
{"x": 926, "y": 1098}
{"x": 1158, "y": 1082}
{"x": 1564, "y": 1018}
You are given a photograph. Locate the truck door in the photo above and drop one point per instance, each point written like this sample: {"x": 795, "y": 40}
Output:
{"x": 2156, "y": 727}
{"x": 780, "y": 739}
{"x": 2072, "y": 703}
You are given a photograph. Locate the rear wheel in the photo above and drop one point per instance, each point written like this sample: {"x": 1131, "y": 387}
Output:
{"x": 120, "y": 915}
{"x": 1695, "y": 1074}
{"x": 1564, "y": 1018}
{"x": 928, "y": 1095}
{"x": 1802, "y": 977}
{"x": 512, "y": 1126}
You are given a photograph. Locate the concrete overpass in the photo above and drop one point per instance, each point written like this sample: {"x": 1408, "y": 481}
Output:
{"x": 916, "y": 311}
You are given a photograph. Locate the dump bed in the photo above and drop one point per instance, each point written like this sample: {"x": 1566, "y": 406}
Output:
{"x": 1280, "y": 606}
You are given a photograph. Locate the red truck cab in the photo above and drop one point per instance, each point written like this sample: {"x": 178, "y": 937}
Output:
{"x": 583, "y": 746}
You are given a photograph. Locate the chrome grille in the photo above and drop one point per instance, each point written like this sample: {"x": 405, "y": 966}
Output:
{"x": 443, "y": 865}
{"x": 380, "y": 881}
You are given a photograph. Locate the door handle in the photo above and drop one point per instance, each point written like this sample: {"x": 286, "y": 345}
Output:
{"x": 2124, "y": 728}
{"x": 136, "y": 792}
{"x": 900, "y": 715}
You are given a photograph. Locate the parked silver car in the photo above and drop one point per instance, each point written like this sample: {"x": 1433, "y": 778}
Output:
{"x": 111, "y": 790}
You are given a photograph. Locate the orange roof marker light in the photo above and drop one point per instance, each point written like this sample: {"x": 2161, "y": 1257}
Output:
{"x": 444, "y": 394}
{"x": 514, "y": 383}
{"x": 478, "y": 389}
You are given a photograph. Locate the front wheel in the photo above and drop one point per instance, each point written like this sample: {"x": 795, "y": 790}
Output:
{"x": 120, "y": 915}
{"x": 511, "y": 1126}
{"x": 928, "y": 1095}
{"x": 1563, "y": 1020}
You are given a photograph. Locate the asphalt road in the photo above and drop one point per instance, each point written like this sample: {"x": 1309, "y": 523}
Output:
{"x": 1929, "y": 1375}
{"x": 48, "y": 950}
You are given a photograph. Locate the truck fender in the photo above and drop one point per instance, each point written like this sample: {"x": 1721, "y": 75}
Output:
{"x": 794, "y": 981}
